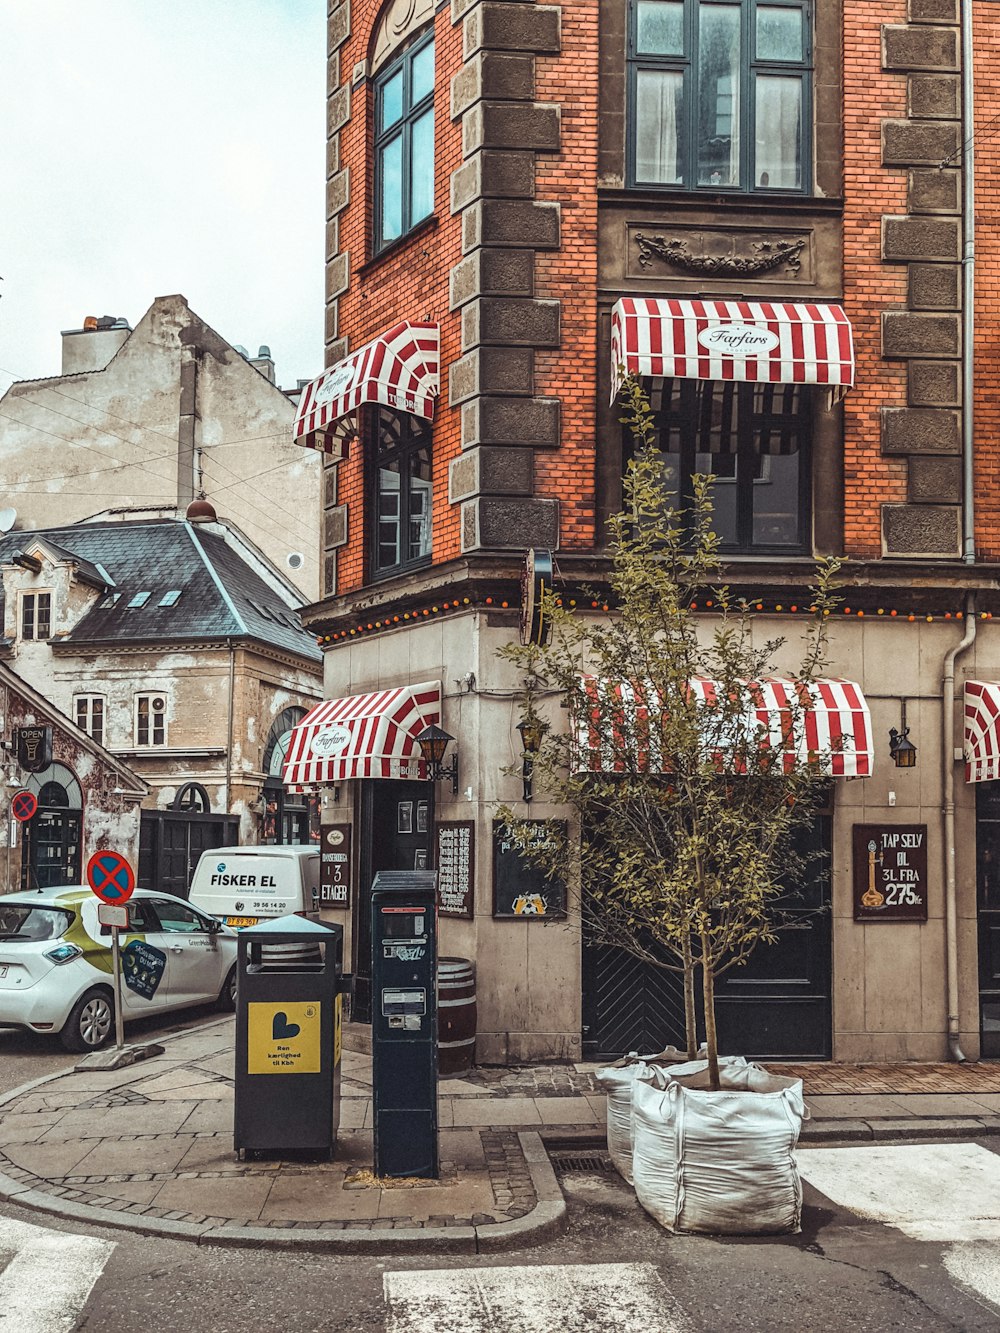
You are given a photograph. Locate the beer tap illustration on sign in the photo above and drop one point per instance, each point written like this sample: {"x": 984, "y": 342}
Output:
{"x": 871, "y": 897}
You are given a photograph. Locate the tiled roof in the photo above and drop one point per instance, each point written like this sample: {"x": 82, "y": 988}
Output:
{"x": 220, "y": 594}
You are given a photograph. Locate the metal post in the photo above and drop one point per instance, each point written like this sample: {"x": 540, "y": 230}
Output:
{"x": 116, "y": 956}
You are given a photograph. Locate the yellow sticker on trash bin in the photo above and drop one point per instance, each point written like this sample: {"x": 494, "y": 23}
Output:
{"x": 338, "y": 1029}
{"x": 283, "y": 1039}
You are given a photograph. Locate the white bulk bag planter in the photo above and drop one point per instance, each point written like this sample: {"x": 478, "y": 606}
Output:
{"x": 617, "y": 1080}
{"x": 719, "y": 1162}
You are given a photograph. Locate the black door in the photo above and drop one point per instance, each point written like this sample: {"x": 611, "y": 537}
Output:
{"x": 51, "y": 851}
{"x": 396, "y": 819}
{"x": 778, "y": 1005}
{"x": 988, "y": 901}
{"x": 170, "y": 843}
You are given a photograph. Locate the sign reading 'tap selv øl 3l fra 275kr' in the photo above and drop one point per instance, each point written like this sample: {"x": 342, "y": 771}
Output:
{"x": 890, "y": 872}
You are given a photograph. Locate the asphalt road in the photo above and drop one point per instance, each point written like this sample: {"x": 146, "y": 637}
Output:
{"x": 613, "y": 1270}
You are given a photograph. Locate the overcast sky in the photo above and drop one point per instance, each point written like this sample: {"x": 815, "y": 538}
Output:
{"x": 160, "y": 146}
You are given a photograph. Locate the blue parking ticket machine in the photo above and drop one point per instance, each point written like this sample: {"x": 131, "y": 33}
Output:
{"x": 404, "y": 1022}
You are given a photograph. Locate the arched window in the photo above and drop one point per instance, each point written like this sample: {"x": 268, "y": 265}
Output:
{"x": 276, "y": 745}
{"x": 402, "y": 66}
{"x": 56, "y": 787}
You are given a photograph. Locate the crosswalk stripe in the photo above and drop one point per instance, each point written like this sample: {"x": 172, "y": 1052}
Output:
{"x": 560, "y": 1298}
{"x": 46, "y": 1283}
{"x": 930, "y": 1191}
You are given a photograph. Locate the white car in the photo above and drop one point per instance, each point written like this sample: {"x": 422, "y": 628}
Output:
{"x": 56, "y": 970}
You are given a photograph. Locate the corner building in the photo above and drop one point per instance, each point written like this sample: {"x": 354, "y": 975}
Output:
{"x": 758, "y": 206}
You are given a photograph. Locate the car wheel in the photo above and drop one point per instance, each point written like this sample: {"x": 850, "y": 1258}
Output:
{"x": 227, "y": 996}
{"x": 90, "y": 1024}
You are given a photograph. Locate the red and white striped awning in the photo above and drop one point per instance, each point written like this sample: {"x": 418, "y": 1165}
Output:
{"x": 825, "y": 722}
{"x": 401, "y": 369}
{"x": 774, "y": 342}
{"x": 363, "y": 736}
{"x": 981, "y": 743}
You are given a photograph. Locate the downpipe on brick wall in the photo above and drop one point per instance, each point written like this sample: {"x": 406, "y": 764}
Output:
{"x": 968, "y": 284}
{"x": 948, "y": 762}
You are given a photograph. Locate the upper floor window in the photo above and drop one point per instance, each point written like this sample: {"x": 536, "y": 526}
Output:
{"x": 720, "y": 94}
{"x": 755, "y": 440}
{"x": 401, "y": 492}
{"x": 404, "y": 142}
{"x": 150, "y": 719}
{"x": 89, "y": 714}
{"x": 36, "y": 615}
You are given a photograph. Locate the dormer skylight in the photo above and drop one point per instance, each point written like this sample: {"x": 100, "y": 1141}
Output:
{"x": 112, "y": 599}
{"x": 140, "y": 599}
{"x": 170, "y": 598}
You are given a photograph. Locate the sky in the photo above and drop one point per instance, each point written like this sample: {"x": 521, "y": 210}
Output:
{"x": 152, "y": 147}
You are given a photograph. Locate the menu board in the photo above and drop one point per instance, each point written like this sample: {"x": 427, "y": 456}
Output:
{"x": 335, "y": 865}
{"x": 456, "y": 867}
{"x": 521, "y": 891}
{"x": 890, "y": 872}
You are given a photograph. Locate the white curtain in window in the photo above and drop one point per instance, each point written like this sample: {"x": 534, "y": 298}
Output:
{"x": 658, "y": 94}
{"x": 778, "y": 133}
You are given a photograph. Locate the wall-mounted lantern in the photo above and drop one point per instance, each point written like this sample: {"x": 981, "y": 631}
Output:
{"x": 433, "y": 742}
{"x": 902, "y": 751}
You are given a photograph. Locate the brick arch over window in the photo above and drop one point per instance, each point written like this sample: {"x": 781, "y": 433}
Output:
{"x": 400, "y": 20}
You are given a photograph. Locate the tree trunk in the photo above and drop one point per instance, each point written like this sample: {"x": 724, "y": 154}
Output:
{"x": 708, "y": 994}
{"x": 690, "y": 1016}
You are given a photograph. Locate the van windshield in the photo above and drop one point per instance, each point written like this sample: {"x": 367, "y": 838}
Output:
{"x": 25, "y": 921}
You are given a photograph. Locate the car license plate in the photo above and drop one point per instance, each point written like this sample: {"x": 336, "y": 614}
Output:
{"x": 238, "y": 922}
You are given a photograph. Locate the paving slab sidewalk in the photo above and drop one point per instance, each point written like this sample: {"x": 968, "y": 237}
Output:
{"x": 150, "y": 1148}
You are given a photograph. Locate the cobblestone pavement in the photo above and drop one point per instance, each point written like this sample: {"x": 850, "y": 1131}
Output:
{"x": 899, "y": 1078}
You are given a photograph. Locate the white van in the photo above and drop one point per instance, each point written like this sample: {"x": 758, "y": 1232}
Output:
{"x": 244, "y": 885}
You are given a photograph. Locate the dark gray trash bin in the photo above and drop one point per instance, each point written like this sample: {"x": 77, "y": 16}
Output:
{"x": 288, "y": 1036}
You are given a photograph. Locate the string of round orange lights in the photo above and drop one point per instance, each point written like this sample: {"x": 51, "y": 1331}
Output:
{"x": 504, "y": 604}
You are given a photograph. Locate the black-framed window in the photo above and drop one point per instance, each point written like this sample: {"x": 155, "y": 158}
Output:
{"x": 720, "y": 94}
{"x": 401, "y": 491}
{"x": 404, "y": 142}
{"x": 756, "y": 440}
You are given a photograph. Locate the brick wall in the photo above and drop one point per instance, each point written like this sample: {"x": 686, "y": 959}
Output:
{"x": 507, "y": 267}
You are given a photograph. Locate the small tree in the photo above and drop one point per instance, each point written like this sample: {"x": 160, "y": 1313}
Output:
{"x": 686, "y": 803}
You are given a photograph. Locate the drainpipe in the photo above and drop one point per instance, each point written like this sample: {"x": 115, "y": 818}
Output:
{"x": 968, "y": 285}
{"x": 948, "y": 760}
{"x": 229, "y": 726}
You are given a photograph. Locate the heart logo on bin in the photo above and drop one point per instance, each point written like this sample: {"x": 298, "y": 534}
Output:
{"x": 281, "y": 1029}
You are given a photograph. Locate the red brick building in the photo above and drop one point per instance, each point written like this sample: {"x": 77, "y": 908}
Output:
{"x": 517, "y": 187}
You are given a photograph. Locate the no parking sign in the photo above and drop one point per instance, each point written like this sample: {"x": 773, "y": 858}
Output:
{"x": 111, "y": 877}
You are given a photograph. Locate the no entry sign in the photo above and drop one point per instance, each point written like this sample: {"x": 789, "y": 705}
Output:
{"x": 23, "y": 805}
{"x": 111, "y": 877}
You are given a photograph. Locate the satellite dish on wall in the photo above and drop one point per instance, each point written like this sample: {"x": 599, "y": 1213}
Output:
{"x": 8, "y": 517}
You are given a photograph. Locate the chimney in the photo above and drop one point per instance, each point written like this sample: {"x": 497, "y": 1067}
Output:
{"x": 264, "y": 362}
{"x": 93, "y": 346}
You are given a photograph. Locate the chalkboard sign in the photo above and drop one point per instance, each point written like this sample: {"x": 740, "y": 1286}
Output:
{"x": 335, "y": 866}
{"x": 890, "y": 872}
{"x": 456, "y": 867}
{"x": 521, "y": 890}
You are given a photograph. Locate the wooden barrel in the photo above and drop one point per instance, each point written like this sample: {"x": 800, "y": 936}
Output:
{"x": 456, "y": 1015}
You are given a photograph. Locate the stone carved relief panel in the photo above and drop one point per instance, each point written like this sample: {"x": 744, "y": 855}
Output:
{"x": 719, "y": 253}
{"x": 401, "y": 18}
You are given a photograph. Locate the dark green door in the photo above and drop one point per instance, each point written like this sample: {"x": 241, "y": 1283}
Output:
{"x": 988, "y": 903}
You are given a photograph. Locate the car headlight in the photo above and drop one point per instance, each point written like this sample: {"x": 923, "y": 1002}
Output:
{"x": 63, "y": 953}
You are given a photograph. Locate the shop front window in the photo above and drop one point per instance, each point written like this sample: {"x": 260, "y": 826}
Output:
{"x": 754, "y": 439}
{"x": 401, "y": 491}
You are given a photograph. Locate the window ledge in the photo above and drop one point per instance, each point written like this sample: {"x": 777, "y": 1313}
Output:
{"x": 429, "y": 224}
{"x": 697, "y": 199}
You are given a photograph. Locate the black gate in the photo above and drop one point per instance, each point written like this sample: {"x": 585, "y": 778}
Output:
{"x": 988, "y": 901}
{"x": 171, "y": 841}
{"x": 777, "y": 1006}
